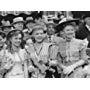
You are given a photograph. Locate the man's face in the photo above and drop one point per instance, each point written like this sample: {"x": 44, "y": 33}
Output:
{"x": 18, "y": 26}
{"x": 51, "y": 30}
{"x": 87, "y": 20}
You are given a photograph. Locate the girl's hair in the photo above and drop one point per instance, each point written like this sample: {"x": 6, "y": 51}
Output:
{"x": 12, "y": 34}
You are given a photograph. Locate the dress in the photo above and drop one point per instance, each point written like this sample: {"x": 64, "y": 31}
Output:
{"x": 40, "y": 58}
{"x": 15, "y": 64}
{"x": 69, "y": 53}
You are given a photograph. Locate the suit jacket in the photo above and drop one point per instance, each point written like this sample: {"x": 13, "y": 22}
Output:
{"x": 83, "y": 32}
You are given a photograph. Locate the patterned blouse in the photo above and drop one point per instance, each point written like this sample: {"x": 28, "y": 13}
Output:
{"x": 15, "y": 63}
{"x": 69, "y": 52}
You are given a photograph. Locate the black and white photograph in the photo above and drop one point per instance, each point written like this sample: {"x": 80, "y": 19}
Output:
{"x": 44, "y": 44}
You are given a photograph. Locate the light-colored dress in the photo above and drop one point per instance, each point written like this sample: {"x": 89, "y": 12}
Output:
{"x": 70, "y": 53}
{"x": 40, "y": 58}
{"x": 15, "y": 63}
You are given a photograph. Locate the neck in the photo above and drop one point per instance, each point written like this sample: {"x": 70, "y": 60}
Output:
{"x": 38, "y": 43}
{"x": 68, "y": 39}
{"x": 15, "y": 48}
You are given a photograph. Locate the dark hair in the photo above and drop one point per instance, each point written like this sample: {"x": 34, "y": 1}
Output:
{"x": 3, "y": 35}
{"x": 14, "y": 33}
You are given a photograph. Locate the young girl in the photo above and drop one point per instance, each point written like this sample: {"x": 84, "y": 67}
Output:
{"x": 15, "y": 61}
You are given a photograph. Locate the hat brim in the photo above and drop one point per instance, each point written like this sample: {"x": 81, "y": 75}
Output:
{"x": 18, "y": 22}
{"x": 47, "y": 24}
{"x": 6, "y": 26}
{"x": 60, "y": 26}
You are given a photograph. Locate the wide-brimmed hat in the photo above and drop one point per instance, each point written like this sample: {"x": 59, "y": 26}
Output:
{"x": 5, "y": 24}
{"x": 18, "y": 20}
{"x": 29, "y": 20}
{"x": 64, "y": 22}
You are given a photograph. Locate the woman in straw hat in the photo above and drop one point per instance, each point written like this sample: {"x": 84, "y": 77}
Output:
{"x": 15, "y": 56}
{"x": 72, "y": 51}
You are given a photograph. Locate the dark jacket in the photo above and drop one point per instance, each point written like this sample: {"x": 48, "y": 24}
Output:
{"x": 83, "y": 32}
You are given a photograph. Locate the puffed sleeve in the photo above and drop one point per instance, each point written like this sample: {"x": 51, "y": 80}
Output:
{"x": 82, "y": 49}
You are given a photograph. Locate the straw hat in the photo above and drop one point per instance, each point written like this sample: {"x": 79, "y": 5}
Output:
{"x": 65, "y": 21}
{"x": 29, "y": 20}
{"x": 5, "y": 24}
{"x": 18, "y": 20}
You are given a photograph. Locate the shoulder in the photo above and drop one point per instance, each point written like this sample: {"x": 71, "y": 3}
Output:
{"x": 80, "y": 43}
{"x": 57, "y": 39}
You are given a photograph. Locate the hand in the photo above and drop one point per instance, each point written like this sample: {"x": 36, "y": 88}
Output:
{"x": 43, "y": 68}
{"x": 9, "y": 64}
{"x": 51, "y": 69}
{"x": 68, "y": 69}
{"x": 31, "y": 69}
{"x": 53, "y": 63}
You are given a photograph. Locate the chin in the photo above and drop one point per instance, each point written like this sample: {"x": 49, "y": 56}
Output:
{"x": 17, "y": 45}
{"x": 39, "y": 41}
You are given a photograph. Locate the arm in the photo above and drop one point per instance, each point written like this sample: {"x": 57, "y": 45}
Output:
{"x": 83, "y": 57}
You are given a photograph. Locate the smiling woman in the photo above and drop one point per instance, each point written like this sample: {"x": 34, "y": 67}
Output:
{"x": 15, "y": 56}
{"x": 72, "y": 52}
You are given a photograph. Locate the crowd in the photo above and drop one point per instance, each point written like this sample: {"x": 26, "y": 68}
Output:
{"x": 45, "y": 47}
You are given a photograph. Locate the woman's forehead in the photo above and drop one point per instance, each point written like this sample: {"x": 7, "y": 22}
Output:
{"x": 69, "y": 27}
{"x": 37, "y": 31}
{"x": 18, "y": 35}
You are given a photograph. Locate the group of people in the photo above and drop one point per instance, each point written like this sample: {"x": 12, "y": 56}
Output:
{"x": 44, "y": 49}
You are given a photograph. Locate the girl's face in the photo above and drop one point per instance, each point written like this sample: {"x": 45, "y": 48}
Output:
{"x": 2, "y": 40}
{"x": 16, "y": 40}
{"x": 69, "y": 31}
{"x": 18, "y": 26}
{"x": 39, "y": 35}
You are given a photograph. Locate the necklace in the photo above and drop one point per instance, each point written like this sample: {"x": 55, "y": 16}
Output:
{"x": 38, "y": 50}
